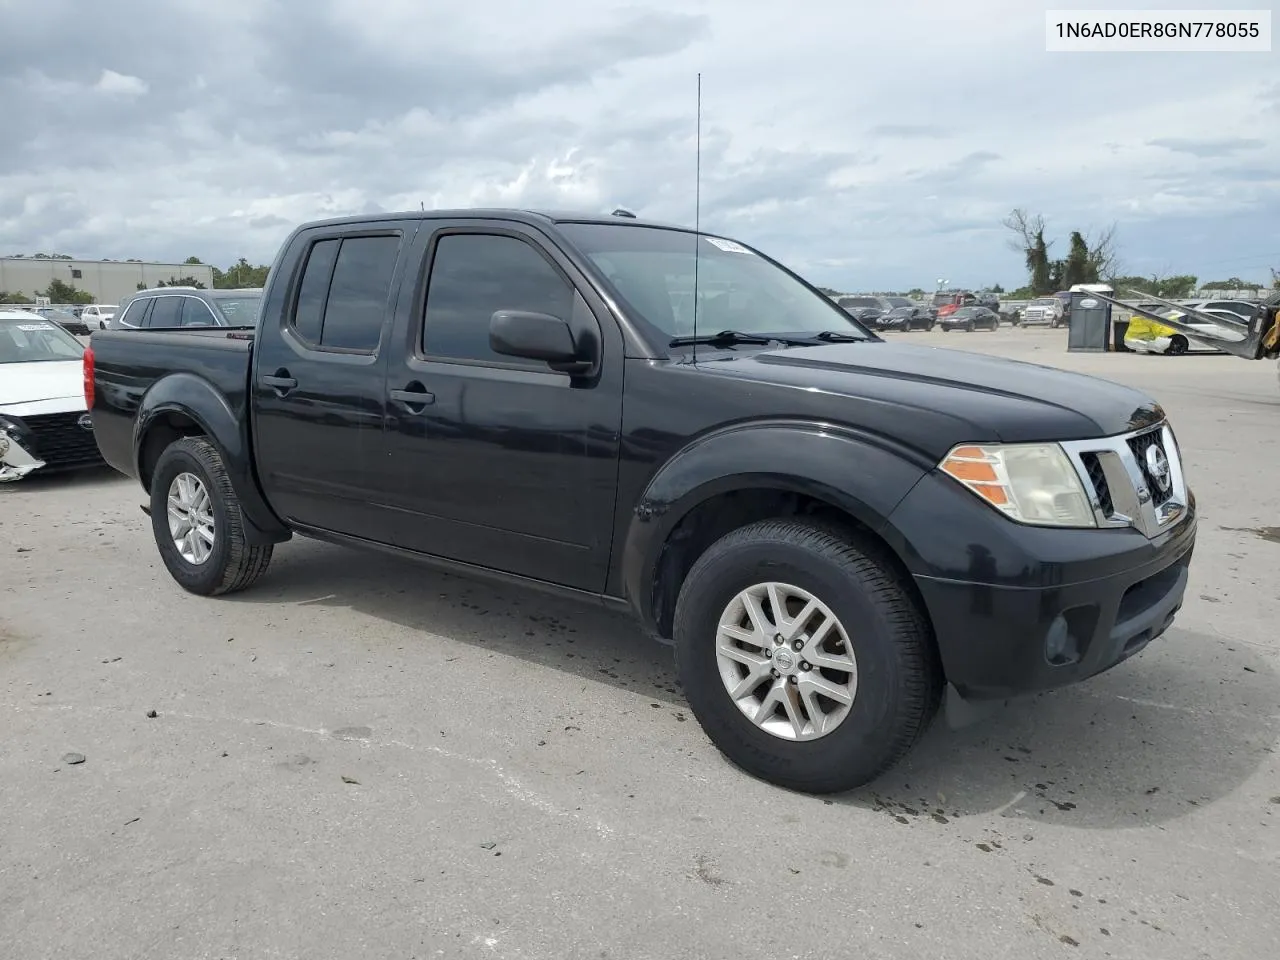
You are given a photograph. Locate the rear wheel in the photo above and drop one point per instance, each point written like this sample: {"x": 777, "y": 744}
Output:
{"x": 197, "y": 523}
{"x": 804, "y": 657}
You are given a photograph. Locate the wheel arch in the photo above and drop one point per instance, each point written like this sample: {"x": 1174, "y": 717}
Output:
{"x": 832, "y": 475}
{"x": 185, "y": 405}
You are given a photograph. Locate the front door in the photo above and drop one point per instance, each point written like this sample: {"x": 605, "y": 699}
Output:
{"x": 318, "y": 391}
{"x": 502, "y": 462}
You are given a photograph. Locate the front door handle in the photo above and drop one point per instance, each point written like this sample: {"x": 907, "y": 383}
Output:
{"x": 414, "y": 396}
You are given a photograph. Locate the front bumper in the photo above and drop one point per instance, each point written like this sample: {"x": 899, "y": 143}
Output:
{"x": 1019, "y": 609}
{"x": 47, "y": 442}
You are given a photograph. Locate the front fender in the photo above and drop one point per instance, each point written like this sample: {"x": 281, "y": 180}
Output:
{"x": 864, "y": 475}
{"x": 194, "y": 398}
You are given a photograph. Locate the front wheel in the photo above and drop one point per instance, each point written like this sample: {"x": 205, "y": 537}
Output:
{"x": 197, "y": 523}
{"x": 1178, "y": 345}
{"x": 804, "y": 656}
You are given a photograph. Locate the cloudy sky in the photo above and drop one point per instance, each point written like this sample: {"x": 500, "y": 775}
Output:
{"x": 866, "y": 150}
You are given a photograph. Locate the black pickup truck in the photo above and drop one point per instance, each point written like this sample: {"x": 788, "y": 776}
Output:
{"x": 834, "y": 531}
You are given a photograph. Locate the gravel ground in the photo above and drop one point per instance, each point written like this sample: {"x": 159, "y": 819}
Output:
{"x": 361, "y": 758}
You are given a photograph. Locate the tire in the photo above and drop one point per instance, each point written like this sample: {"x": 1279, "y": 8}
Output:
{"x": 969, "y": 327}
{"x": 898, "y": 675}
{"x": 1178, "y": 345}
{"x": 231, "y": 564}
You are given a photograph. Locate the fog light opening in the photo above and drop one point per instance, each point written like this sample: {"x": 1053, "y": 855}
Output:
{"x": 1060, "y": 646}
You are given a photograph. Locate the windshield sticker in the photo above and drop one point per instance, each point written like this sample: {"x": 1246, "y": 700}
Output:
{"x": 728, "y": 246}
{"x": 34, "y": 326}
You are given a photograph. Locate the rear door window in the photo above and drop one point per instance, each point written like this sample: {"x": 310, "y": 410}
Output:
{"x": 358, "y": 293}
{"x": 308, "y": 314}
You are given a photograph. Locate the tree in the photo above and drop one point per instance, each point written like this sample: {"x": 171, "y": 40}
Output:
{"x": 240, "y": 274}
{"x": 1078, "y": 267}
{"x": 1093, "y": 259}
{"x": 1030, "y": 242}
{"x": 1176, "y": 287}
{"x": 16, "y": 297}
{"x": 59, "y": 291}
{"x": 181, "y": 282}
{"x": 1235, "y": 283}
{"x": 192, "y": 260}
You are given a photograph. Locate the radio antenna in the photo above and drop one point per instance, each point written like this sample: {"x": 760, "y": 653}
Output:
{"x": 697, "y": 217}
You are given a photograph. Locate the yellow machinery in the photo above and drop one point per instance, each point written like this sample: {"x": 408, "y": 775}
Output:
{"x": 1261, "y": 331}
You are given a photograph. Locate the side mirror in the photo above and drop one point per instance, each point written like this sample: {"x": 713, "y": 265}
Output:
{"x": 536, "y": 336}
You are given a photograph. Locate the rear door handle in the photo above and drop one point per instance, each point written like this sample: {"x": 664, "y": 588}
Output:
{"x": 280, "y": 382}
{"x": 414, "y": 396}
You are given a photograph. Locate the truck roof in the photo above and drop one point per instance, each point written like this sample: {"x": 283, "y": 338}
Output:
{"x": 530, "y": 217}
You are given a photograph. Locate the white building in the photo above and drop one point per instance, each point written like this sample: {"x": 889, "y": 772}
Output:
{"x": 107, "y": 281}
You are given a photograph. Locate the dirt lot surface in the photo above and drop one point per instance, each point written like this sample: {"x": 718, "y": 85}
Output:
{"x": 360, "y": 758}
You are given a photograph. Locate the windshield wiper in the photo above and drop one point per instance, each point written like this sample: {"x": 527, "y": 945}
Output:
{"x": 726, "y": 338}
{"x": 836, "y": 336}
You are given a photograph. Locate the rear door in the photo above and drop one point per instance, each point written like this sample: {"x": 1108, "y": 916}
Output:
{"x": 318, "y": 388}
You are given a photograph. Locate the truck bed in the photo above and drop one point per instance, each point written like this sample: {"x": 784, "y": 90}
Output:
{"x": 129, "y": 364}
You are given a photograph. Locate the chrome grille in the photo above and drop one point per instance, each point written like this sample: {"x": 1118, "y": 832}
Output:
{"x": 1093, "y": 466}
{"x": 1140, "y": 445}
{"x": 1123, "y": 489}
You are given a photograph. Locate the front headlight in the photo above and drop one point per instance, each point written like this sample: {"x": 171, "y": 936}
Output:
{"x": 1031, "y": 483}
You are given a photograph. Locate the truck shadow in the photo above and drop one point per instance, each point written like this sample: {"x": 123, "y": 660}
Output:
{"x": 582, "y": 639}
{"x": 1155, "y": 739}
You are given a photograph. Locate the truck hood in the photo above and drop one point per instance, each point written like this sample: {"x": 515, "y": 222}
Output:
{"x": 47, "y": 386}
{"x": 985, "y": 398}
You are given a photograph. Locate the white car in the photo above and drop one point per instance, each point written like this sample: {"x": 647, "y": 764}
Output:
{"x": 43, "y": 421}
{"x": 97, "y": 315}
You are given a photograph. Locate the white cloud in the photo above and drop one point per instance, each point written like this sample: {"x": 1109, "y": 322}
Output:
{"x": 120, "y": 83}
{"x": 866, "y": 148}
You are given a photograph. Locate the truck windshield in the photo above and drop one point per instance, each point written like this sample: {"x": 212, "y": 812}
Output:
{"x": 652, "y": 271}
{"x": 36, "y": 340}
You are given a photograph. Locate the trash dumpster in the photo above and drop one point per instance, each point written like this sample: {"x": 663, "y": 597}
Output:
{"x": 1088, "y": 322}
